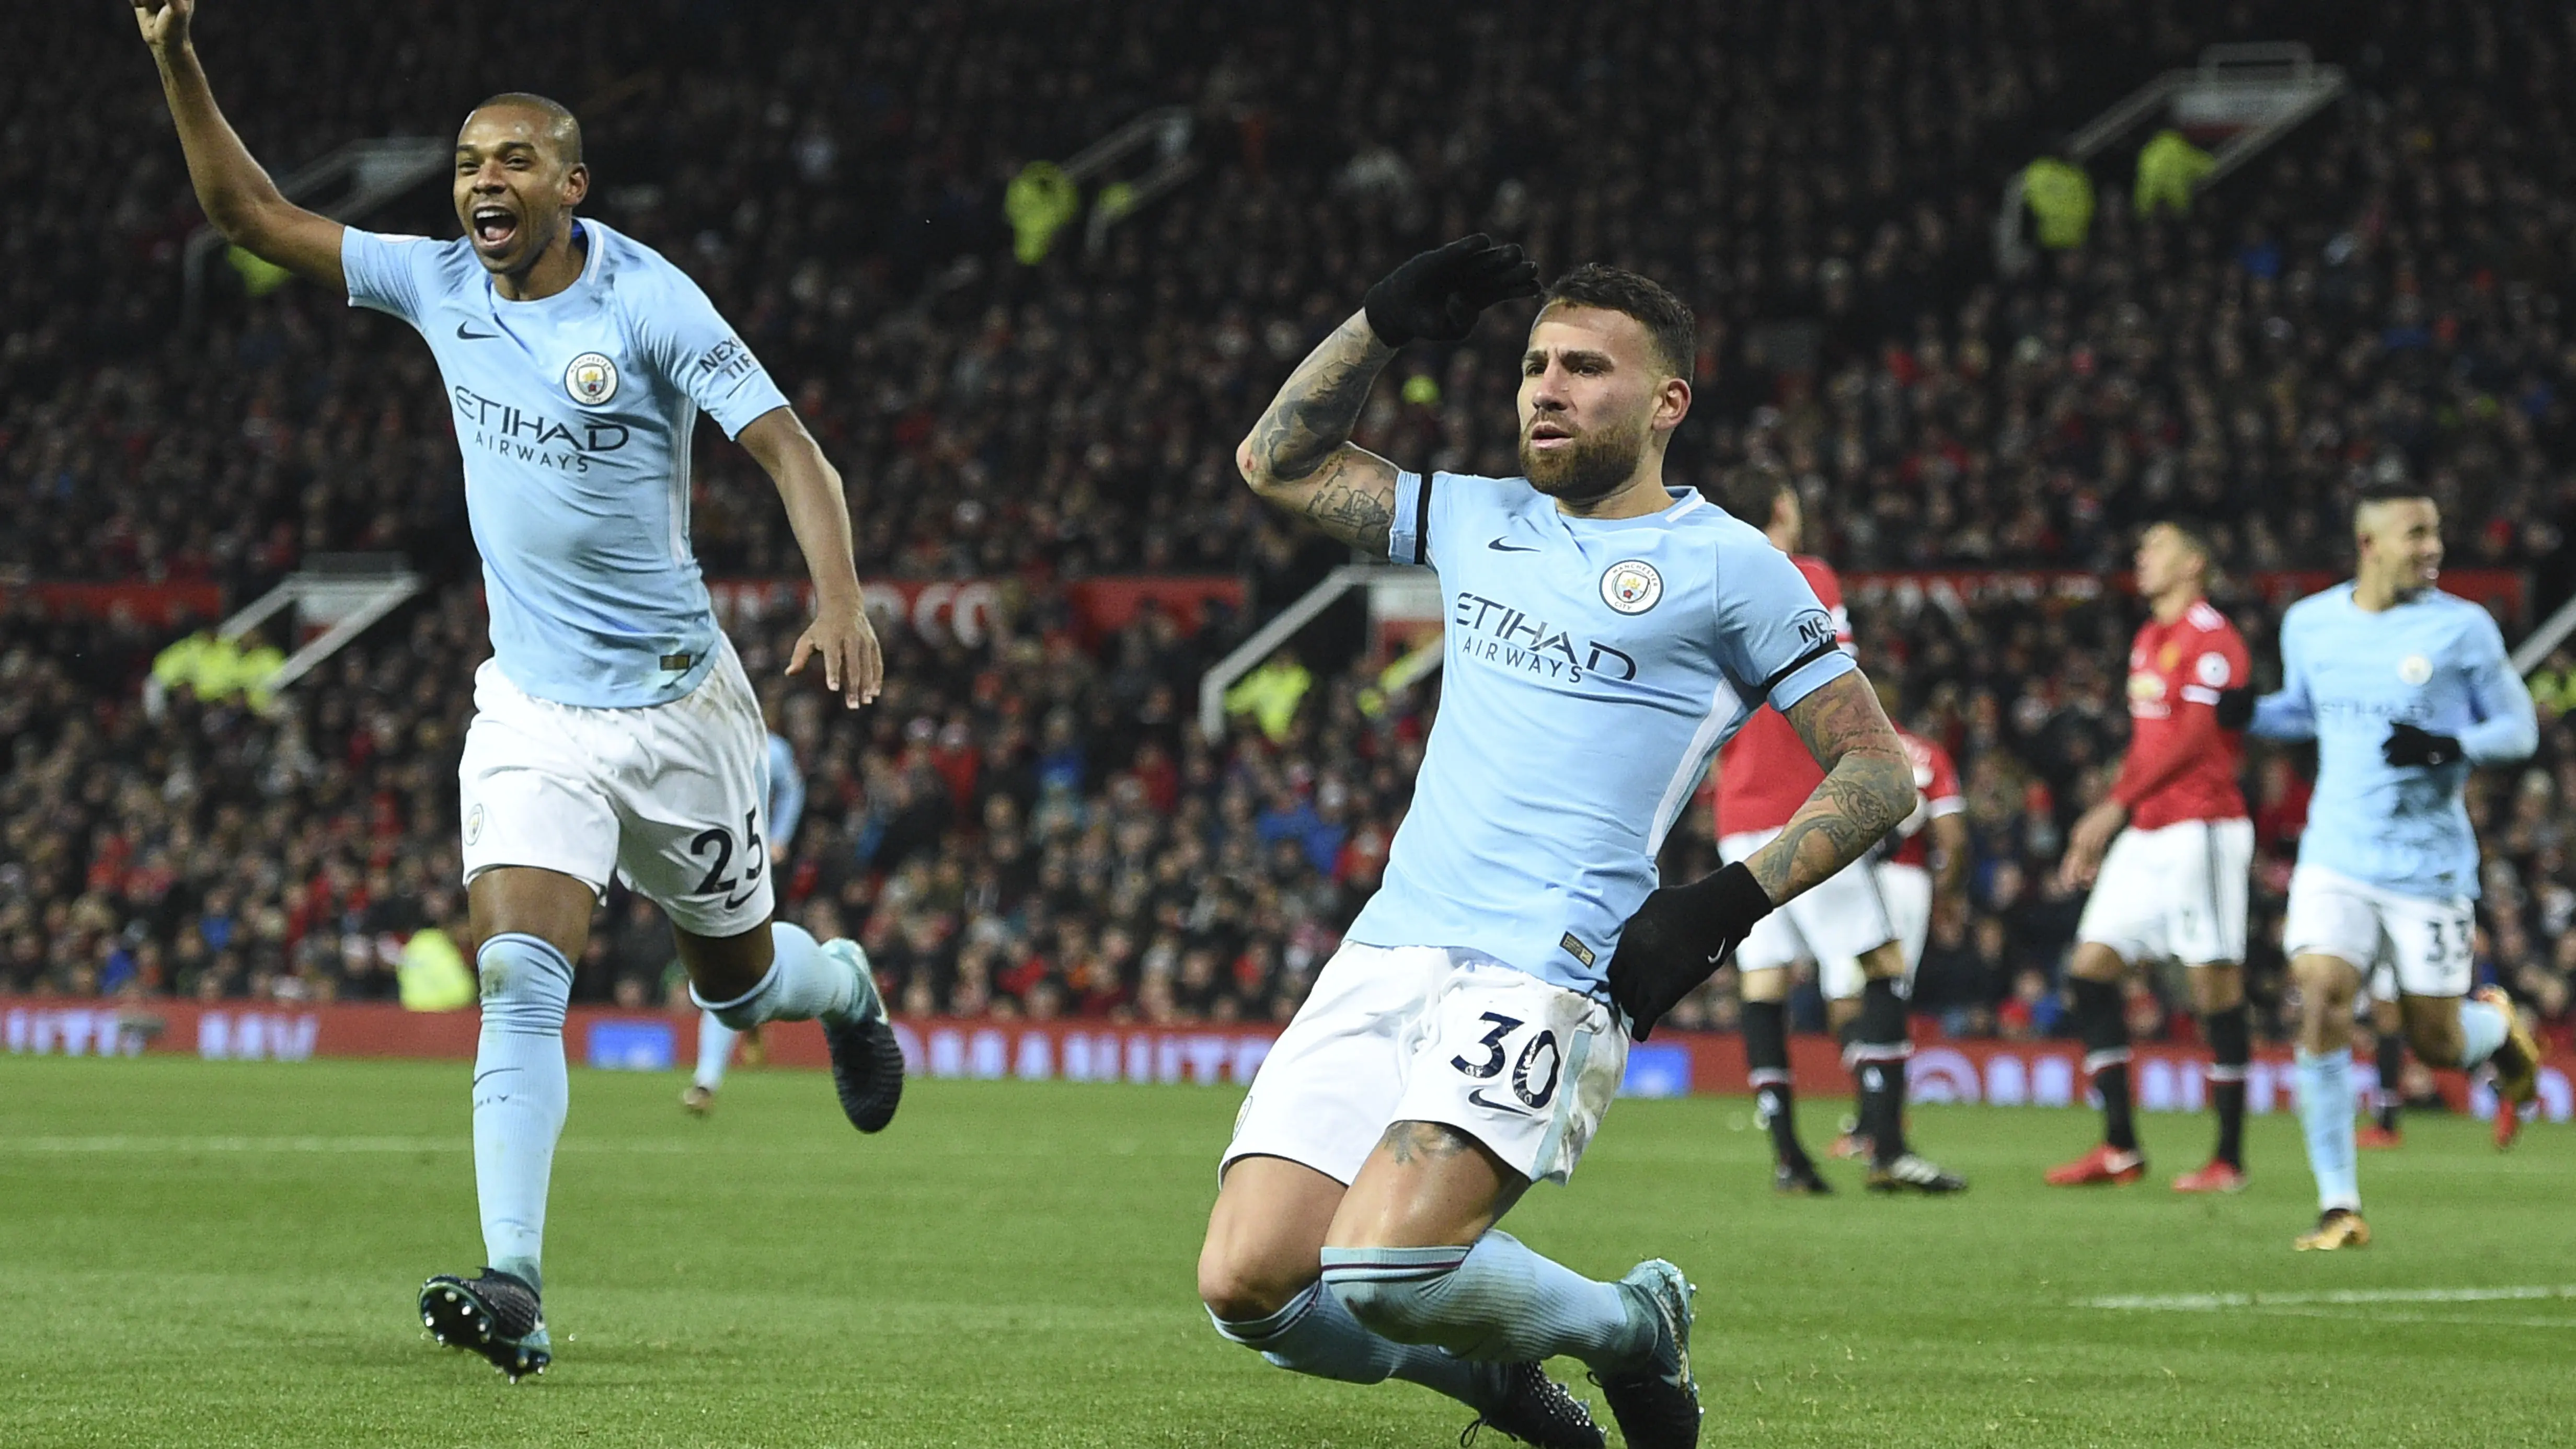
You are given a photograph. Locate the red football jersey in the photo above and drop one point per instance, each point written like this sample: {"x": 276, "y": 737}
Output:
{"x": 1765, "y": 773}
{"x": 2181, "y": 765}
{"x": 1936, "y": 779}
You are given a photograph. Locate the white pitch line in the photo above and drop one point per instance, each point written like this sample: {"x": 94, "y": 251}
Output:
{"x": 460, "y": 1143}
{"x": 2212, "y": 1302}
{"x": 2457, "y": 1320}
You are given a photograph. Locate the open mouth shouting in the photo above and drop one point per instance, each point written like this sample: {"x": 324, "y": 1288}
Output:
{"x": 494, "y": 227}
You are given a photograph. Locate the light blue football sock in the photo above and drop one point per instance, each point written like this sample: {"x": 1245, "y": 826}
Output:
{"x": 804, "y": 981}
{"x": 715, "y": 1050}
{"x": 520, "y": 1094}
{"x": 2325, "y": 1113}
{"x": 1315, "y": 1334}
{"x": 1495, "y": 1302}
{"x": 2482, "y": 1030}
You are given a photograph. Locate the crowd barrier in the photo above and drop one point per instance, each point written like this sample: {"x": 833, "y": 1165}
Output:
{"x": 2002, "y": 1074}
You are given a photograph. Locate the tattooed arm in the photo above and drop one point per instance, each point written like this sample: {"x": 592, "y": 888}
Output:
{"x": 1300, "y": 455}
{"x": 1868, "y": 788}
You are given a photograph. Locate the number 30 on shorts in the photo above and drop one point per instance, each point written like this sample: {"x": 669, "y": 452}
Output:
{"x": 1540, "y": 1054}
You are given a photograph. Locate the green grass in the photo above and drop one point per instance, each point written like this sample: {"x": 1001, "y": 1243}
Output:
{"x": 206, "y": 1254}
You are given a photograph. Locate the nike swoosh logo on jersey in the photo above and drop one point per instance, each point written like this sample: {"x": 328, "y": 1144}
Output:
{"x": 474, "y": 336}
{"x": 747, "y": 891}
{"x": 1499, "y": 546}
{"x": 1478, "y": 1096}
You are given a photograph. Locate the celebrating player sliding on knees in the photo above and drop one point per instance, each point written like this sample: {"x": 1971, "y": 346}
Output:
{"x": 614, "y": 732}
{"x": 1606, "y": 634}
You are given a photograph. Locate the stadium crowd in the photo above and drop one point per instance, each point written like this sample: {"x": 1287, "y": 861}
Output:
{"x": 1030, "y": 825}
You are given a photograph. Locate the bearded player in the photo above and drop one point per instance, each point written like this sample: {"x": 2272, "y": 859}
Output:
{"x": 2167, "y": 853}
{"x": 2405, "y": 689}
{"x": 614, "y": 731}
{"x": 1606, "y": 632}
{"x": 1844, "y": 925}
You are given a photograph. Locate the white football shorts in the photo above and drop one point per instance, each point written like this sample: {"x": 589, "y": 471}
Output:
{"x": 2174, "y": 893}
{"x": 2383, "y": 985}
{"x": 1907, "y": 890}
{"x": 669, "y": 797}
{"x": 1843, "y": 916}
{"x": 2427, "y": 941}
{"x": 1426, "y": 1034}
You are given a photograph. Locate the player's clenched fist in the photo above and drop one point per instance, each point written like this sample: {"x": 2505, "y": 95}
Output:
{"x": 842, "y": 637}
{"x": 164, "y": 23}
{"x": 1438, "y": 295}
{"x": 2409, "y": 745}
{"x": 1676, "y": 939}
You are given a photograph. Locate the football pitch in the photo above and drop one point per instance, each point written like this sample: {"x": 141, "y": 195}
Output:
{"x": 226, "y": 1253}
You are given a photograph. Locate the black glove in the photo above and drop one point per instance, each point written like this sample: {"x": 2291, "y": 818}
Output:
{"x": 2408, "y": 745}
{"x": 2236, "y": 707}
{"x": 1676, "y": 939}
{"x": 1438, "y": 295}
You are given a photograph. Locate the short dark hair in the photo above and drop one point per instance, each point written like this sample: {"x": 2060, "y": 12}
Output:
{"x": 2388, "y": 492}
{"x": 2193, "y": 533}
{"x": 562, "y": 127}
{"x": 1666, "y": 318}
{"x": 1751, "y": 491}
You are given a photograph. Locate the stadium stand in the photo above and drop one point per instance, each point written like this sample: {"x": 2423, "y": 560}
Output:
{"x": 1025, "y": 824}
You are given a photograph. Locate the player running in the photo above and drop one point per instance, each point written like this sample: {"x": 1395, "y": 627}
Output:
{"x": 2377, "y": 1007}
{"x": 1921, "y": 863}
{"x": 2404, "y": 688}
{"x": 2167, "y": 854}
{"x": 1764, "y": 776}
{"x": 1605, "y": 634}
{"x": 783, "y": 794}
{"x": 613, "y": 728}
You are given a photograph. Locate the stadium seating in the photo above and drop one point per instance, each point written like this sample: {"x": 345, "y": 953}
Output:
{"x": 2379, "y": 297}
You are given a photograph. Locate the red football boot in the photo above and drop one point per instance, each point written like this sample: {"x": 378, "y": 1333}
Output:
{"x": 2216, "y": 1177}
{"x": 2103, "y": 1166}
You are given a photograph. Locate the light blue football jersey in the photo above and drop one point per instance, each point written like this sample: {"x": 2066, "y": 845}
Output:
{"x": 2435, "y": 661}
{"x": 573, "y": 414}
{"x": 1593, "y": 668}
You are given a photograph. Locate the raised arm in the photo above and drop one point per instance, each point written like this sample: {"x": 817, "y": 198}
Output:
{"x": 1300, "y": 456}
{"x": 237, "y": 195}
{"x": 818, "y": 512}
{"x": 1867, "y": 791}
